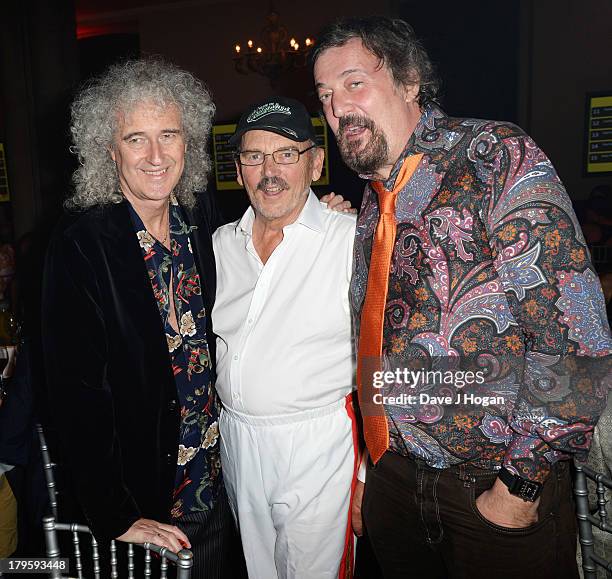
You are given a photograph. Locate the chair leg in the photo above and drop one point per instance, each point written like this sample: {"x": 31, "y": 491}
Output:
{"x": 184, "y": 564}
{"x": 52, "y": 545}
{"x": 48, "y": 468}
{"x": 585, "y": 531}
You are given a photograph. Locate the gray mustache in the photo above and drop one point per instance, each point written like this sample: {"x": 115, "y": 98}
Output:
{"x": 272, "y": 182}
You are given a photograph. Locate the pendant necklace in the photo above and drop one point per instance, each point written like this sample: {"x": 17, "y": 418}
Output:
{"x": 163, "y": 241}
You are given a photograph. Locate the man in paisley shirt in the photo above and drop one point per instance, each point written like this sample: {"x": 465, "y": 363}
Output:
{"x": 468, "y": 235}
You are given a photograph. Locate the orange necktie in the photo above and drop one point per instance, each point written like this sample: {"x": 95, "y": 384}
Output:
{"x": 369, "y": 360}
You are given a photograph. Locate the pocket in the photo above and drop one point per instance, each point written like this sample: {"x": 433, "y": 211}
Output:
{"x": 545, "y": 510}
{"x": 371, "y": 467}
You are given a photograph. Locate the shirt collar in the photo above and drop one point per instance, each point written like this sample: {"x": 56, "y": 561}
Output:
{"x": 176, "y": 221}
{"x": 431, "y": 111}
{"x": 245, "y": 225}
{"x": 311, "y": 216}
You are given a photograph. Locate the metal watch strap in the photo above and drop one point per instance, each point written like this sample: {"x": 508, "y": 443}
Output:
{"x": 521, "y": 487}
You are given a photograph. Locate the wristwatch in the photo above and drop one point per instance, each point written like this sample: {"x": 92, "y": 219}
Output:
{"x": 526, "y": 489}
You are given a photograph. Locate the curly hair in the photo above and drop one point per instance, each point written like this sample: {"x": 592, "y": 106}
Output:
{"x": 96, "y": 114}
{"x": 394, "y": 42}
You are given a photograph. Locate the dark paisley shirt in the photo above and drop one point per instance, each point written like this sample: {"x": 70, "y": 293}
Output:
{"x": 489, "y": 267}
{"x": 198, "y": 479}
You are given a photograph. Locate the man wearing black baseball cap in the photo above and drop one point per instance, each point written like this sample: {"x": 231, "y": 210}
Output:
{"x": 283, "y": 116}
{"x": 284, "y": 358}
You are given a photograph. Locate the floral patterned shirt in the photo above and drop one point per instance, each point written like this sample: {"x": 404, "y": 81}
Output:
{"x": 489, "y": 268}
{"x": 198, "y": 477}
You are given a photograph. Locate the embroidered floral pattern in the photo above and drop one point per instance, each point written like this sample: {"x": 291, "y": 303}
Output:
{"x": 185, "y": 454}
{"x": 198, "y": 465}
{"x": 188, "y": 327}
{"x": 498, "y": 271}
{"x": 211, "y": 436}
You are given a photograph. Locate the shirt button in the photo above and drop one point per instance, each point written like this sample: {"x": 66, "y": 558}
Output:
{"x": 236, "y": 396}
{"x": 169, "y": 458}
{"x": 235, "y": 356}
{"x": 172, "y": 405}
{"x": 250, "y": 320}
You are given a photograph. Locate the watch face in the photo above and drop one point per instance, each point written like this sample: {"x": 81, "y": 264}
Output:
{"x": 529, "y": 491}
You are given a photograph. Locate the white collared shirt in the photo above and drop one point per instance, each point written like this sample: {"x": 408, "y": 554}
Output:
{"x": 284, "y": 328}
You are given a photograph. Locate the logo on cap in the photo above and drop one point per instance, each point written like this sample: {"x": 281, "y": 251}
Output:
{"x": 268, "y": 109}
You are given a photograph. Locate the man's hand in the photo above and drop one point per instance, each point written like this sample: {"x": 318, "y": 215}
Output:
{"x": 498, "y": 506}
{"x": 356, "y": 519}
{"x": 149, "y": 531}
{"x": 338, "y": 203}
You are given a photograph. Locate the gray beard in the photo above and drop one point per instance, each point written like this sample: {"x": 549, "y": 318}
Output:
{"x": 368, "y": 159}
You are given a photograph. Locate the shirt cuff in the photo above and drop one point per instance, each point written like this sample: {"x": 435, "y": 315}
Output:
{"x": 530, "y": 458}
{"x": 361, "y": 471}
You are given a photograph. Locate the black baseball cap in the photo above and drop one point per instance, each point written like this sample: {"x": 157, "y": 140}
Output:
{"x": 280, "y": 115}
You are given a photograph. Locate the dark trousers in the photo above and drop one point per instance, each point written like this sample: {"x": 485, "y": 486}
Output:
{"x": 215, "y": 543}
{"x": 423, "y": 523}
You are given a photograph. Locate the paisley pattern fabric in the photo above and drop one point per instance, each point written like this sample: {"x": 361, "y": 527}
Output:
{"x": 490, "y": 269}
{"x": 198, "y": 471}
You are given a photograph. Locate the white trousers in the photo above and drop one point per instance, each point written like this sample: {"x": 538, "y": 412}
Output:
{"x": 289, "y": 482}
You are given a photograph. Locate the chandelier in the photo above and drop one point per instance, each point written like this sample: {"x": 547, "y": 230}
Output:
{"x": 276, "y": 53}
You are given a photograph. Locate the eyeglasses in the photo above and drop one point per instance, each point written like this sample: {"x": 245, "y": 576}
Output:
{"x": 281, "y": 156}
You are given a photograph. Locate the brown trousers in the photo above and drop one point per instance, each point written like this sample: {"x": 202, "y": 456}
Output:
{"x": 423, "y": 523}
{"x": 8, "y": 519}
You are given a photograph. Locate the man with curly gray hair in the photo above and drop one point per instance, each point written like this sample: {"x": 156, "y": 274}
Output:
{"x": 129, "y": 287}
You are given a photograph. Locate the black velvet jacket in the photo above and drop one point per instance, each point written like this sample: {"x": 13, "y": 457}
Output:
{"x": 108, "y": 369}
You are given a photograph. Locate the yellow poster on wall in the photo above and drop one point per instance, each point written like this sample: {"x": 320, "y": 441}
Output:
{"x": 4, "y": 189}
{"x": 225, "y": 168}
{"x": 599, "y": 134}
